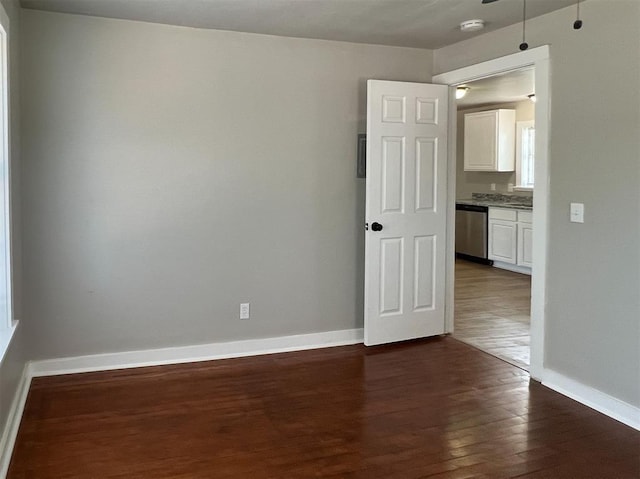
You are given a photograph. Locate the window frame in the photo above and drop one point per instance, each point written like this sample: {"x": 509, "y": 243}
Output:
{"x": 7, "y": 323}
{"x": 521, "y": 126}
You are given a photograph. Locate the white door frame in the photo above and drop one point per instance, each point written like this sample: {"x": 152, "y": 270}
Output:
{"x": 540, "y": 60}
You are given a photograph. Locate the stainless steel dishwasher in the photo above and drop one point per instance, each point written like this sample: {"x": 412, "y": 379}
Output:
{"x": 471, "y": 232}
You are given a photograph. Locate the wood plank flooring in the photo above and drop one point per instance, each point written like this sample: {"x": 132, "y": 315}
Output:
{"x": 433, "y": 408}
{"x": 492, "y": 311}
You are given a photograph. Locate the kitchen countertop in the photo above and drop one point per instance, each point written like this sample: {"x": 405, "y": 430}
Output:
{"x": 498, "y": 201}
{"x": 495, "y": 204}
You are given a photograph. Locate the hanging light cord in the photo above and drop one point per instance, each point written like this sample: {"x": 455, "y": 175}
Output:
{"x": 524, "y": 18}
{"x": 524, "y": 45}
{"x": 577, "y": 25}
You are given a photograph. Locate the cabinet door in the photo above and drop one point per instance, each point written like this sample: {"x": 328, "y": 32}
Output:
{"x": 480, "y": 142}
{"x": 525, "y": 244}
{"x": 502, "y": 241}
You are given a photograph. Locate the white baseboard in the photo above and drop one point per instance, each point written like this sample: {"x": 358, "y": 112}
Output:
{"x": 512, "y": 267}
{"x": 13, "y": 422}
{"x": 199, "y": 352}
{"x": 601, "y": 402}
{"x": 156, "y": 357}
{"x": 615, "y": 408}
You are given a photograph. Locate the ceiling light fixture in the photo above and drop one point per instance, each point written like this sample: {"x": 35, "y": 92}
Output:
{"x": 532, "y": 97}
{"x": 472, "y": 25}
{"x": 461, "y": 91}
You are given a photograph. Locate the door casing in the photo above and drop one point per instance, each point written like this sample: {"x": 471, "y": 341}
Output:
{"x": 539, "y": 58}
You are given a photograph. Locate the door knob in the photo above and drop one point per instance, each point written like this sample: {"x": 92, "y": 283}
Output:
{"x": 376, "y": 226}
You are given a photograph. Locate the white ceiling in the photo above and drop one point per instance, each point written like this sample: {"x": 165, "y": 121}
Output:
{"x": 506, "y": 88}
{"x": 414, "y": 23}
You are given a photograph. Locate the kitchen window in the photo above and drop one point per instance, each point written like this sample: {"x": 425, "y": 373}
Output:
{"x": 525, "y": 154}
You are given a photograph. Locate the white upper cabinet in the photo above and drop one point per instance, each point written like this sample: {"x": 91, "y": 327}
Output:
{"x": 489, "y": 140}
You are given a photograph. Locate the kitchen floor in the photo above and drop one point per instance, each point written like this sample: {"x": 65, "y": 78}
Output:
{"x": 492, "y": 311}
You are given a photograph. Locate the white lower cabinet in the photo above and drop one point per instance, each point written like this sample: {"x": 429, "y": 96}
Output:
{"x": 502, "y": 241}
{"x": 510, "y": 238}
{"x": 525, "y": 246}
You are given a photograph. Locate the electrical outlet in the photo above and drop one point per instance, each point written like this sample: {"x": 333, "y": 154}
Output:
{"x": 493, "y": 187}
{"x": 244, "y": 310}
{"x": 510, "y": 187}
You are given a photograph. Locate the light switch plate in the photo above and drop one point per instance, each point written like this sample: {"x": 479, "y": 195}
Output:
{"x": 576, "y": 214}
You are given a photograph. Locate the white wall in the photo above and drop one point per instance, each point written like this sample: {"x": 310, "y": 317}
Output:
{"x": 593, "y": 310}
{"x": 172, "y": 173}
{"x": 468, "y": 182}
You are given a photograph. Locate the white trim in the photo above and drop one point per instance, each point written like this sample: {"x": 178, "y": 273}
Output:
{"x": 601, "y": 402}
{"x": 450, "y": 253}
{"x": 520, "y": 127}
{"x": 512, "y": 267}
{"x": 194, "y": 353}
{"x": 5, "y": 165}
{"x": 539, "y": 59}
{"x": 12, "y": 425}
{"x": 490, "y": 68}
{"x": 6, "y": 335}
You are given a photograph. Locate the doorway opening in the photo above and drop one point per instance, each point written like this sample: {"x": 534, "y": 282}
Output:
{"x": 494, "y": 197}
{"x": 538, "y": 60}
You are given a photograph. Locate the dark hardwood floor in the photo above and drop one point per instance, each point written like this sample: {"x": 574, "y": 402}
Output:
{"x": 431, "y": 408}
{"x": 492, "y": 311}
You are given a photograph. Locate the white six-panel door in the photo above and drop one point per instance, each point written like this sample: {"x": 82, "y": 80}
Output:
{"x": 406, "y": 196}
